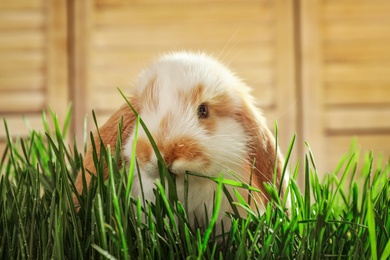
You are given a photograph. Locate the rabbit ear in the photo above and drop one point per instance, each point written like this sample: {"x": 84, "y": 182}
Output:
{"x": 109, "y": 135}
{"x": 262, "y": 150}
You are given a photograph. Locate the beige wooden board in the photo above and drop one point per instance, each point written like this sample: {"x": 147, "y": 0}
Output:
{"x": 125, "y": 2}
{"x": 177, "y": 35}
{"x": 22, "y": 60}
{"x": 312, "y": 129}
{"x": 20, "y": 126}
{"x": 21, "y": 80}
{"x": 22, "y": 40}
{"x": 357, "y": 93}
{"x": 21, "y": 19}
{"x": 352, "y": 31}
{"x": 16, "y": 4}
{"x": 115, "y": 77}
{"x": 56, "y": 35}
{"x": 375, "y": 71}
{"x": 108, "y": 100}
{"x": 343, "y": 10}
{"x": 21, "y": 101}
{"x": 257, "y": 76}
{"x": 358, "y": 118}
{"x": 352, "y": 51}
{"x": 194, "y": 13}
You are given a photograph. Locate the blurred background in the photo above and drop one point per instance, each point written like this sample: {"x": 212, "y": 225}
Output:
{"x": 321, "y": 68}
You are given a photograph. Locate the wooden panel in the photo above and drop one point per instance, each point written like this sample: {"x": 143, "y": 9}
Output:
{"x": 312, "y": 82}
{"x": 358, "y": 118}
{"x": 23, "y": 79}
{"x": 357, "y": 93}
{"x": 343, "y": 31}
{"x": 24, "y": 101}
{"x": 177, "y": 35}
{"x": 31, "y": 44}
{"x": 364, "y": 9}
{"x": 115, "y": 77}
{"x": 347, "y": 68}
{"x": 379, "y": 71}
{"x": 367, "y": 51}
{"x": 257, "y": 76}
{"x": 21, "y": 125}
{"x": 189, "y": 13}
{"x": 285, "y": 79}
{"x": 79, "y": 34}
{"x": 16, "y": 4}
{"x": 21, "y": 60}
{"x": 57, "y": 93}
{"x": 108, "y": 99}
{"x": 125, "y": 2}
{"x": 21, "y": 40}
{"x": 21, "y": 19}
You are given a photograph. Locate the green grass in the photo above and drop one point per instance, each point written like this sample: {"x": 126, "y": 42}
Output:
{"x": 345, "y": 215}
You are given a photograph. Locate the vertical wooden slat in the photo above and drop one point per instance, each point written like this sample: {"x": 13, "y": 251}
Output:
{"x": 311, "y": 80}
{"x": 80, "y": 26}
{"x": 57, "y": 57}
{"x": 23, "y": 63}
{"x": 285, "y": 69}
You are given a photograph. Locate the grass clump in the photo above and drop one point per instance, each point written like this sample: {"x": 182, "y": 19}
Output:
{"x": 345, "y": 215}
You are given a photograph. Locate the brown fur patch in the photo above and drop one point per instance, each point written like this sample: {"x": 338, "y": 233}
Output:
{"x": 219, "y": 106}
{"x": 149, "y": 96}
{"x": 222, "y": 105}
{"x": 194, "y": 96}
{"x": 109, "y": 134}
{"x": 164, "y": 124}
{"x": 262, "y": 150}
{"x": 197, "y": 93}
{"x": 143, "y": 151}
{"x": 182, "y": 148}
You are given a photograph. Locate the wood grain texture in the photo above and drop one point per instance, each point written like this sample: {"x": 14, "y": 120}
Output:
{"x": 21, "y": 4}
{"x": 20, "y": 126}
{"x": 21, "y": 40}
{"x": 21, "y": 19}
{"x": 23, "y": 101}
{"x": 33, "y": 70}
{"x": 57, "y": 58}
{"x": 352, "y": 75}
{"x": 312, "y": 81}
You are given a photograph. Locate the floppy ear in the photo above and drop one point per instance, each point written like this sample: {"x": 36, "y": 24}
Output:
{"x": 262, "y": 149}
{"x": 109, "y": 135}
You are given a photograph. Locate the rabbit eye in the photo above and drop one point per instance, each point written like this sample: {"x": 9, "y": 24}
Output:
{"x": 203, "y": 111}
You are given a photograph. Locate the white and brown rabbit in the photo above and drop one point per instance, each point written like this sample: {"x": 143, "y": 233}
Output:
{"x": 203, "y": 120}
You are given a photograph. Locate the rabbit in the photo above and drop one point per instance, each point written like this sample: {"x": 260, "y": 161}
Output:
{"x": 203, "y": 120}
